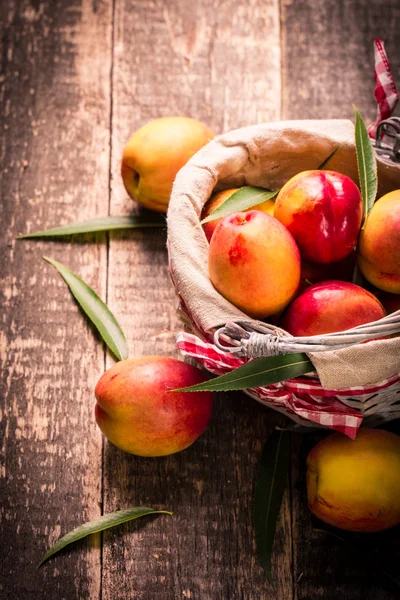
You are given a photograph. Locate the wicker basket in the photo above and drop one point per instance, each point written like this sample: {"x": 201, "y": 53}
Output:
{"x": 222, "y": 338}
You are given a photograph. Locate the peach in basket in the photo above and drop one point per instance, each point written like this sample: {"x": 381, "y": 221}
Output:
{"x": 323, "y": 212}
{"x": 331, "y": 306}
{"x": 254, "y": 262}
{"x": 379, "y": 247}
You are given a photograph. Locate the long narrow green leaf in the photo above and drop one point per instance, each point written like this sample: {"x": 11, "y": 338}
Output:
{"x": 243, "y": 199}
{"x": 257, "y": 373}
{"x": 270, "y": 486}
{"x": 328, "y": 158}
{"x": 95, "y": 309}
{"x": 362, "y": 551}
{"x": 366, "y": 163}
{"x": 100, "y": 224}
{"x": 100, "y": 524}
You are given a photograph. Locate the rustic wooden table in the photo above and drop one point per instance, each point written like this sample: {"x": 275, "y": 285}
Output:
{"x": 77, "y": 78}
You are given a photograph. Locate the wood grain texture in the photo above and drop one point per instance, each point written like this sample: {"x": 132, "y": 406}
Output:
{"x": 328, "y": 65}
{"x": 69, "y": 71}
{"x": 191, "y": 59}
{"x": 327, "y": 55}
{"x": 55, "y": 99}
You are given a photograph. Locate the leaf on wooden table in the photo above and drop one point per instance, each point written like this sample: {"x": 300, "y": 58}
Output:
{"x": 95, "y": 309}
{"x": 101, "y": 224}
{"x": 245, "y": 198}
{"x": 257, "y": 373}
{"x": 366, "y": 163}
{"x": 362, "y": 551}
{"x": 100, "y": 524}
{"x": 270, "y": 487}
{"x": 328, "y": 158}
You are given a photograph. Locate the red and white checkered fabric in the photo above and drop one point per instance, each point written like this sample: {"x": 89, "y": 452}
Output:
{"x": 303, "y": 398}
{"x": 386, "y": 94}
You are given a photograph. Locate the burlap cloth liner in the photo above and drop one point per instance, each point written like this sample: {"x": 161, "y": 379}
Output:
{"x": 267, "y": 156}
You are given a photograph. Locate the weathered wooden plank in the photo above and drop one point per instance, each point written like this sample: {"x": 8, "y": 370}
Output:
{"x": 327, "y": 55}
{"x": 328, "y": 66}
{"x": 219, "y": 62}
{"x": 55, "y": 98}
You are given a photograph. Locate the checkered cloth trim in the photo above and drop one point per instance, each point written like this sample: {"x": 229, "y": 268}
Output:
{"x": 332, "y": 413}
{"x": 314, "y": 387}
{"x": 303, "y": 399}
{"x": 386, "y": 94}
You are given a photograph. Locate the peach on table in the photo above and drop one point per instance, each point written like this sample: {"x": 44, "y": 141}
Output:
{"x": 154, "y": 155}
{"x": 355, "y": 484}
{"x": 138, "y": 411}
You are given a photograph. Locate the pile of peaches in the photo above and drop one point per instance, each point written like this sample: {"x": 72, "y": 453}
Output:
{"x": 292, "y": 261}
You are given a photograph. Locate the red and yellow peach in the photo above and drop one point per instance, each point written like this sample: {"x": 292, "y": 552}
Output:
{"x": 254, "y": 263}
{"x": 331, "y": 306}
{"x": 379, "y": 244}
{"x": 323, "y": 211}
{"x": 138, "y": 411}
{"x": 355, "y": 484}
{"x": 154, "y": 155}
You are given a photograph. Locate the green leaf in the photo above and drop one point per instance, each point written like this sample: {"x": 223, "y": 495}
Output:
{"x": 366, "y": 556}
{"x": 257, "y": 373}
{"x": 101, "y": 224}
{"x": 328, "y": 158}
{"x": 243, "y": 199}
{"x": 270, "y": 487}
{"x": 95, "y": 309}
{"x": 366, "y": 163}
{"x": 100, "y": 524}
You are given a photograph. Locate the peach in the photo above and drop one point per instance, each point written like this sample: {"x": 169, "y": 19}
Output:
{"x": 331, "y": 306}
{"x": 379, "y": 244}
{"x": 355, "y": 484}
{"x": 323, "y": 211}
{"x": 218, "y": 199}
{"x": 254, "y": 263}
{"x": 154, "y": 155}
{"x": 137, "y": 411}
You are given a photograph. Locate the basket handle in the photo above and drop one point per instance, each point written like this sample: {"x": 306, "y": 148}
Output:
{"x": 253, "y": 339}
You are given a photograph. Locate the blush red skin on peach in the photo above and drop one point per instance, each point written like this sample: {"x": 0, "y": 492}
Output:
{"x": 254, "y": 263}
{"x": 137, "y": 411}
{"x": 331, "y": 306}
{"x": 323, "y": 211}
